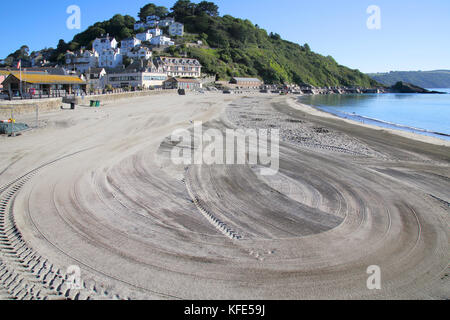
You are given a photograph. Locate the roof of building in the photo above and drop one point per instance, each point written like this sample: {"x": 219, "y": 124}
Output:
{"x": 17, "y": 72}
{"x": 46, "y": 78}
{"x": 247, "y": 79}
{"x": 96, "y": 70}
{"x": 130, "y": 38}
{"x": 184, "y": 80}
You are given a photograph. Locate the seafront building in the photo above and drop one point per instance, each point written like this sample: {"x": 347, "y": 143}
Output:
{"x": 182, "y": 83}
{"x": 136, "y": 79}
{"x": 180, "y": 67}
{"x": 36, "y": 84}
{"x": 246, "y": 82}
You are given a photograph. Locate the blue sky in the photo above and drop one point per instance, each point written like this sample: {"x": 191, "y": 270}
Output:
{"x": 413, "y": 36}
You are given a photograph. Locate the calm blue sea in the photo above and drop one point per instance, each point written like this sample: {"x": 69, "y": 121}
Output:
{"x": 427, "y": 114}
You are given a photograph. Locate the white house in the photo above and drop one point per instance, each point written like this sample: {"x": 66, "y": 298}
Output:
{"x": 162, "y": 41}
{"x": 140, "y": 53}
{"x": 156, "y": 32}
{"x": 127, "y": 44}
{"x": 96, "y": 78}
{"x": 166, "y": 22}
{"x": 82, "y": 60}
{"x": 152, "y": 21}
{"x": 101, "y": 44}
{"x": 176, "y": 29}
{"x": 145, "y": 36}
{"x": 111, "y": 58}
{"x": 152, "y": 18}
{"x": 139, "y": 25}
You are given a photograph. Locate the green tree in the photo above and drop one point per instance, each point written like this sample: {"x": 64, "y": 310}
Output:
{"x": 152, "y": 10}
{"x": 127, "y": 61}
{"x": 307, "y": 48}
{"x": 182, "y": 9}
{"x": 209, "y": 8}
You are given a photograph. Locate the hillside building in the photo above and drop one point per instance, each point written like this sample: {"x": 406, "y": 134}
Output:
{"x": 127, "y": 44}
{"x": 176, "y": 29}
{"x": 111, "y": 58}
{"x": 102, "y": 44}
{"x": 145, "y": 36}
{"x": 162, "y": 41}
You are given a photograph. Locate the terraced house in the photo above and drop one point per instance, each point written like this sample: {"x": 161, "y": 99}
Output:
{"x": 180, "y": 67}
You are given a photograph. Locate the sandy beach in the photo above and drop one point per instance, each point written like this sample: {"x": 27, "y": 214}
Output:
{"x": 96, "y": 188}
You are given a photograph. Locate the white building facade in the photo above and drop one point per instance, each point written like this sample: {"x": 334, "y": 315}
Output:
{"x": 166, "y": 22}
{"x": 162, "y": 41}
{"x": 128, "y": 44}
{"x": 101, "y": 44}
{"x": 140, "y": 53}
{"x": 82, "y": 60}
{"x": 111, "y": 58}
{"x": 145, "y": 36}
{"x": 180, "y": 67}
{"x": 137, "y": 79}
{"x": 176, "y": 29}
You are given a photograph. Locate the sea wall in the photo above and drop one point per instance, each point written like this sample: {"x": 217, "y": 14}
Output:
{"x": 21, "y": 107}
{"x": 85, "y": 101}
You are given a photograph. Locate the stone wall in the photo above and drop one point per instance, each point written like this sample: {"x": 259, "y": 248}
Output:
{"x": 116, "y": 96}
{"x": 21, "y": 107}
{"x": 47, "y": 105}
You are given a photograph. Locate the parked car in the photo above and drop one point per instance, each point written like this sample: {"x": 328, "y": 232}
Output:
{"x": 226, "y": 92}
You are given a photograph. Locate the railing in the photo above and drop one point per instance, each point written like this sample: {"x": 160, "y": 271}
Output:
{"x": 45, "y": 94}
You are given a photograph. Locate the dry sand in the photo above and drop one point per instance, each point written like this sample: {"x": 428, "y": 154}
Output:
{"x": 96, "y": 188}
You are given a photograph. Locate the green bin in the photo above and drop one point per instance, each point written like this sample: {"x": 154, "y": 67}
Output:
{"x": 92, "y": 103}
{"x": 97, "y": 103}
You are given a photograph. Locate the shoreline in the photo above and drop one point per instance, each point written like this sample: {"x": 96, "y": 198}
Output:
{"x": 294, "y": 103}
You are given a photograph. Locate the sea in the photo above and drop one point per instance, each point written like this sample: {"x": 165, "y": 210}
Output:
{"x": 427, "y": 114}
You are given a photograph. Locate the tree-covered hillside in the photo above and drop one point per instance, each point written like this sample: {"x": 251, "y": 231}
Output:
{"x": 424, "y": 79}
{"x": 232, "y": 47}
{"x": 240, "y": 48}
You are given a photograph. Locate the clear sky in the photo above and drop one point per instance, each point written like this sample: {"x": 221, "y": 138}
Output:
{"x": 413, "y": 36}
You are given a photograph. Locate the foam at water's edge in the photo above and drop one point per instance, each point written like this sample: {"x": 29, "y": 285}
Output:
{"x": 360, "y": 118}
